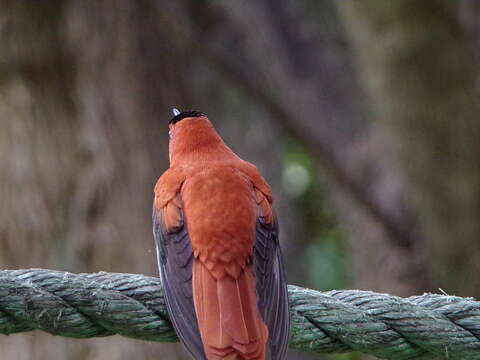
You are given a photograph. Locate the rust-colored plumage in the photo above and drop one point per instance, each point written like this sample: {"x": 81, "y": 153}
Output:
{"x": 218, "y": 251}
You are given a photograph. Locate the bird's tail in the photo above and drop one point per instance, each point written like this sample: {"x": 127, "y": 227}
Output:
{"x": 230, "y": 324}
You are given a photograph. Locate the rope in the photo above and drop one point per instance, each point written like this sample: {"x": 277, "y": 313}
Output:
{"x": 101, "y": 304}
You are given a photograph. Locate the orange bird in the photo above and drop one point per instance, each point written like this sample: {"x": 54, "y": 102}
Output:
{"x": 217, "y": 245}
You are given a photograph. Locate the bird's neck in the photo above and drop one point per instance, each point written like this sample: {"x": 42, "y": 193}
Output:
{"x": 197, "y": 144}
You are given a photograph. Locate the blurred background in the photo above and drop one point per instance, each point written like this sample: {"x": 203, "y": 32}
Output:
{"x": 362, "y": 115}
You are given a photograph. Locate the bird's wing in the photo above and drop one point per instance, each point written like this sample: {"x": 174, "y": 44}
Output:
{"x": 175, "y": 259}
{"x": 270, "y": 277}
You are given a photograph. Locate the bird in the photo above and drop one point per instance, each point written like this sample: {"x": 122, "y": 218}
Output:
{"x": 219, "y": 258}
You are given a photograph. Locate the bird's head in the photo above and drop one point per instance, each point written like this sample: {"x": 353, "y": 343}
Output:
{"x": 193, "y": 138}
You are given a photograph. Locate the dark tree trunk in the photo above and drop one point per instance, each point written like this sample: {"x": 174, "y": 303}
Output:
{"x": 419, "y": 67}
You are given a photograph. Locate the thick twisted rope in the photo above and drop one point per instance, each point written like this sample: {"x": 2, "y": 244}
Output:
{"x": 101, "y": 304}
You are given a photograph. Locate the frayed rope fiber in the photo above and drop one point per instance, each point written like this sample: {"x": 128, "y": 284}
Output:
{"x": 429, "y": 326}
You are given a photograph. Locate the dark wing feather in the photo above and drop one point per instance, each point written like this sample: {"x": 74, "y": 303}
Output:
{"x": 272, "y": 287}
{"x": 175, "y": 259}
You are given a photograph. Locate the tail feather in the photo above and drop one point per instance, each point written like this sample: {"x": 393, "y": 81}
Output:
{"x": 230, "y": 324}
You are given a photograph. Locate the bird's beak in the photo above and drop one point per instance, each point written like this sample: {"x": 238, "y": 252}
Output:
{"x": 175, "y": 111}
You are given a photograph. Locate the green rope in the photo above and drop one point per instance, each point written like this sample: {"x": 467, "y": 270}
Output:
{"x": 102, "y": 304}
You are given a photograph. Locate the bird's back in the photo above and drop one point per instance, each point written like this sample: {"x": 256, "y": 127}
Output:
{"x": 220, "y": 213}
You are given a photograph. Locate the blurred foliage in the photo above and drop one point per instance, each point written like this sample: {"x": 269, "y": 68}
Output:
{"x": 325, "y": 255}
